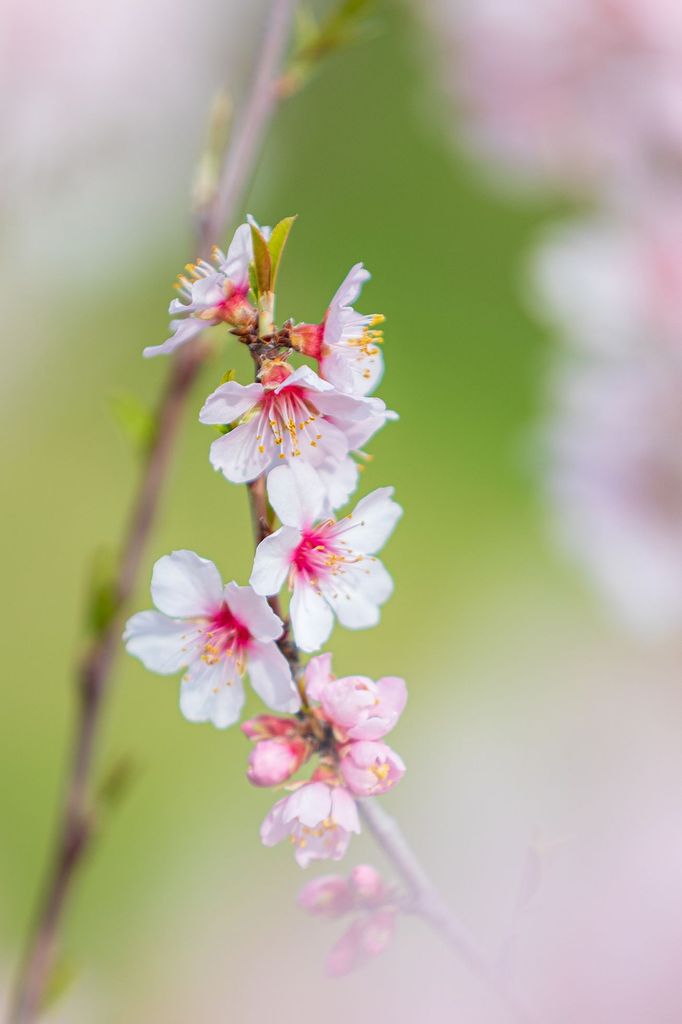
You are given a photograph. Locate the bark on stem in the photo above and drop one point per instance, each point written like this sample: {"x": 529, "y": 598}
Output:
{"x": 76, "y": 823}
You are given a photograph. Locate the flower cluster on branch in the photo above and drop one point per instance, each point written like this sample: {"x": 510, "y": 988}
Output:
{"x": 294, "y": 437}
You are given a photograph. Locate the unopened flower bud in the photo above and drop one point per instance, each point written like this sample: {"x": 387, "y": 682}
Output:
{"x": 368, "y": 886}
{"x": 273, "y": 761}
{"x": 265, "y": 727}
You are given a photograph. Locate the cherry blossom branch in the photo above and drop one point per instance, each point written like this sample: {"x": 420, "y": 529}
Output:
{"x": 425, "y": 901}
{"x": 77, "y": 823}
{"x": 422, "y": 898}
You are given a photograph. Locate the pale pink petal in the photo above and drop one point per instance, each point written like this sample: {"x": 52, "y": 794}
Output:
{"x": 310, "y": 804}
{"x": 212, "y": 693}
{"x": 297, "y": 494}
{"x": 345, "y": 810}
{"x": 311, "y": 617}
{"x": 304, "y": 377}
{"x": 162, "y": 644}
{"x": 229, "y": 402}
{"x": 326, "y": 896}
{"x": 346, "y": 953}
{"x": 360, "y": 430}
{"x": 273, "y": 559}
{"x": 183, "y": 331}
{"x": 351, "y": 369}
{"x": 392, "y": 695}
{"x": 239, "y": 254}
{"x": 370, "y": 768}
{"x": 185, "y": 585}
{"x": 241, "y": 455}
{"x": 253, "y": 611}
{"x": 356, "y": 594}
{"x": 270, "y": 677}
{"x": 317, "y": 675}
{"x": 370, "y": 524}
{"x": 339, "y": 479}
{"x": 274, "y": 829}
{"x": 350, "y": 287}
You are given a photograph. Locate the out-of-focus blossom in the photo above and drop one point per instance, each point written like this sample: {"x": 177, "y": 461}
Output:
{"x": 213, "y": 294}
{"x": 370, "y": 768}
{"x": 614, "y": 283}
{"x": 364, "y": 893}
{"x": 318, "y": 817}
{"x": 366, "y": 937}
{"x": 215, "y": 632}
{"x": 575, "y": 93}
{"x": 345, "y": 344}
{"x": 615, "y": 479}
{"x": 358, "y": 707}
{"x": 291, "y": 415}
{"x": 330, "y": 565}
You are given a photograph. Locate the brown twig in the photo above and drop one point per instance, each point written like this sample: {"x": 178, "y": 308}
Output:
{"x": 77, "y": 822}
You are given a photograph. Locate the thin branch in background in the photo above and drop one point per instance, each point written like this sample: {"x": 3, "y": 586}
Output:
{"x": 77, "y": 821}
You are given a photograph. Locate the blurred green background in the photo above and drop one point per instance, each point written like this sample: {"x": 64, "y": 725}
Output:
{"x": 366, "y": 157}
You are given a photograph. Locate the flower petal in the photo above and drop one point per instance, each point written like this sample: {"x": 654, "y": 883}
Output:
{"x": 370, "y": 524}
{"x": 304, "y": 377}
{"x": 185, "y": 585}
{"x": 239, "y": 255}
{"x": 311, "y": 617}
{"x": 310, "y": 804}
{"x": 297, "y": 494}
{"x": 230, "y": 401}
{"x": 239, "y": 455}
{"x": 318, "y": 673}
{"x": 212, "y": 693}
{"x": 345, "y": 810}
{"x": 271, "y": 678}
{"x": 160, "y": 643}
{"x": 339, "y": 479}
{"x": 273, "y": 559}
{"x": 182, "y": 332}
{"x": 253, "y": 611}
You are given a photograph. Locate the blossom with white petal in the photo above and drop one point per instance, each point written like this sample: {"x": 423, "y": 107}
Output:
{"x": 292, "y": 415}
{"x": 330, "y": 565}
{"x": 345, "y": 343}
{"x": 212, "y": 293}
{"x": 318, "y": 818}
{"x": 215, "y": 632}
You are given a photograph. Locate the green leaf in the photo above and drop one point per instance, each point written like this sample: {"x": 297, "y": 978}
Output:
{"x": 278, "y": 239}
{"x": 137, "y": 422}
{"x": 102, "y": 603}
{"x": 261, "y": 261}
{"x": 228, "y": 376}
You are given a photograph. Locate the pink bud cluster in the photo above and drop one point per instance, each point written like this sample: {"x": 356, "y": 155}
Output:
{"x": 345, "y": 729}
{"x": 363, "y": 894}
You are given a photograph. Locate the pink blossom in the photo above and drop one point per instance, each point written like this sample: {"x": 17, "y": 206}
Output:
{"x": 359, "y": 708}
{"x": 368, "y": 887}
{"x": 366, "y": 937}
{"x": 265, "y": 727}
{"x": 613, "y": 284}
{"x": 370, "y": 768}
{"x": 213, "y": 294}
{"x": 615, "y": 480}
{"x": 330, "y": 565}
{"x": 575, "y": 92}
{"x": 216, "y": 633}
{"x": 318, "y": 817}
{"x": 291, "y": 416}
{"x": 327, "y": 896}
{"x": 272, "y": 762}
{"x": 344, "y": 343}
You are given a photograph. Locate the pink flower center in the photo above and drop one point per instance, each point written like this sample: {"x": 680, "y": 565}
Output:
{"x": 317, "y": 555}
{"x": 291, "y": 419}
{"x": 224, "y": 637}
